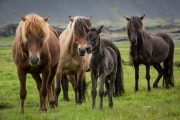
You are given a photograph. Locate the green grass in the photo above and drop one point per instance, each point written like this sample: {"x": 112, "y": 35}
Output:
{"x": 159, "y": 104}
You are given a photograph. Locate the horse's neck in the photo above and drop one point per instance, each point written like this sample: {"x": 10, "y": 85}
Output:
{"x": 99, "y": 48}
{"x": 71, "y": 45}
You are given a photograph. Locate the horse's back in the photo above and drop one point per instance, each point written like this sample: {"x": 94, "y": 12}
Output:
{"x": 161, "y": 46}
{"x": 110, "y": 44}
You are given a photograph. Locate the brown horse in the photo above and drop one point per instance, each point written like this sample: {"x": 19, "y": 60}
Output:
{"x": 150, "y": 50}
{"x": 36, "y": 50}
{"x": 73, "y": 60}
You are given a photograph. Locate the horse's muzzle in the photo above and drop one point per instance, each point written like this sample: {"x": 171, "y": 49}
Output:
{"x": 133, "y": 42}
{"x": 34, "y": 61}
{"x": 88, "y": 49}
{"x": 81, "y": 52}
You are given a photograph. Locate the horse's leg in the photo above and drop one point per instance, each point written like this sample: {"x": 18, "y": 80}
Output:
{"x": 38, "y": 80}
{"x": 45, "y": 76}
{"x": 112, "y": 80}
{"x": 65, "y": 87}
{"x": 80, "y": 78}
{"x": 148, "y": 76}
{"x": 93, "y": 89}
{"x": 58, "y": 86}
{"x": 23, "y": 92}
{"x": 136, "y": 66}
{"x": 72, "y": 80}
{"x": 101, "y": 89}
{"x": 50, "y": 86}
{"x": 160, "y": 74}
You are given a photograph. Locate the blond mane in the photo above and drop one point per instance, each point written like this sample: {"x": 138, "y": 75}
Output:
{"x": 35, "y": 25}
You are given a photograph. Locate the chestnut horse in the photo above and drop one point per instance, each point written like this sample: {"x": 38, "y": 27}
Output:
{"x": 36, "y": 50}
{"x": 150, "y": 50}
{"x": 73, "y": 60}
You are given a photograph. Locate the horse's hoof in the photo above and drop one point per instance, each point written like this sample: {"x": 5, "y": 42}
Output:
{"x": 100, "y": 107}
{"x": 167, "y": 87}
{"x": 155, "y": 86}
{"x": 66, "y": 99}
{"x": 135, "y": 90}
{"x": 172, "y": 85}
{"x": 111, "y": 105}
{"x": 44, "y": 109}
{"x": 52, "y": 104}
{"x": 56, "y": 104}
{"x": 93, "y": 106}
{"x": 21, "y": 111}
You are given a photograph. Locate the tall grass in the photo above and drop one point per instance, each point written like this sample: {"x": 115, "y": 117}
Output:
{"x": 159, "y": 104}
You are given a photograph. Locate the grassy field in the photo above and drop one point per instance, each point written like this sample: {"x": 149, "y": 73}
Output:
{"x": 159, "y": 104}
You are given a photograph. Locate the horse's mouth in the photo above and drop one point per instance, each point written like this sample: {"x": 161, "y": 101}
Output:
{"x": 82, "y": 54}
{"x": 89, "y": 52}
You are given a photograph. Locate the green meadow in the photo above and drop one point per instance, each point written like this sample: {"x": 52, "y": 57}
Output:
{"x": 159, "y": 104}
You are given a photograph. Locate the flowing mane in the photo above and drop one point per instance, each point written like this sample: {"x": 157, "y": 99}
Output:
{"x": 34, "y": 25}
{"x": 77, "y": 25}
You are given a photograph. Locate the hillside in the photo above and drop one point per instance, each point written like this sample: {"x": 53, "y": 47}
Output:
{"x": 112, "y": 10}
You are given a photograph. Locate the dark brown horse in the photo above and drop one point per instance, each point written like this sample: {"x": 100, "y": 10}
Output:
{"x": 150, "y": 50}
{"x": 73, "y": 61}
{"x": 103, "y": 64}
{"x": 36, "y": 50}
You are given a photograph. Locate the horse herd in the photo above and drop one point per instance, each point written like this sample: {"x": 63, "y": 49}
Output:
{"x": 39, "y": 49}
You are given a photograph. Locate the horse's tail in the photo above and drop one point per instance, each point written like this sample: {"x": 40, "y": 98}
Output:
{"x": 169, "y": 64}
{"x": 119, "y": 84}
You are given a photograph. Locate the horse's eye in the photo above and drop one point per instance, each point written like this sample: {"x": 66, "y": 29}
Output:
{"x": 42, "y": 36}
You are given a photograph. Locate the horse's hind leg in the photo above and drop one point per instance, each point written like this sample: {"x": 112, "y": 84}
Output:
{"x": 58, "y": 88}
{"x": 65, "y": 87}
{"x": 38, "y": 80}
{"x": 148, "y": 76}
{"x": 109, "y": 86}
{"x": 160, "y": 73}
{"x": 72, "y": 80}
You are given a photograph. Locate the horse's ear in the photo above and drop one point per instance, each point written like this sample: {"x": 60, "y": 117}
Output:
{"x": 127, "y": 18}
{"x": 71, "y": 18}
{"x": 23, "y": 17}
{"x": 89, "y": 18}
{"x": 86, "y": 29}
{"x": 142, "y": 17}
{"x": 100, "y": 29}
{"x": 46, "y": 18}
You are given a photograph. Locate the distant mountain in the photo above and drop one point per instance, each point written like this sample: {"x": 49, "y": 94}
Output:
{"x": 111, "y": 10}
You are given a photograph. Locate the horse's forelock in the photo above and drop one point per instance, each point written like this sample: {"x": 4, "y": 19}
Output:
{"x": 35, "y": 25}
{"x": 78, "y": 25}
{"x": 135, "y": 23}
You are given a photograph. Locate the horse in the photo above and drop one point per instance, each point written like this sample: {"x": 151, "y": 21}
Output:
{"x": 103, "y": 63}
{"x": 36, "y": 50}
{"x": 73, "y": 61}
{"x": 150, "y": 50}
